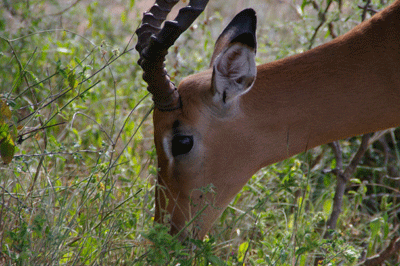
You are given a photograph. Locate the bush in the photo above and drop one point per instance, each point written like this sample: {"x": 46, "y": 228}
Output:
{"x": 79, "y": 162}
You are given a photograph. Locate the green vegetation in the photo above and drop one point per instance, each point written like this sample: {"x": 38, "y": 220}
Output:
{"x": 76, "y": 115}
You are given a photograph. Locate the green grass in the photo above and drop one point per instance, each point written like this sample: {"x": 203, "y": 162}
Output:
{"x": 80, "y": 188}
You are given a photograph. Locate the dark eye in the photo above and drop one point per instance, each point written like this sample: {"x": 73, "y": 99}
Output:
{"x": 181, "y": 144}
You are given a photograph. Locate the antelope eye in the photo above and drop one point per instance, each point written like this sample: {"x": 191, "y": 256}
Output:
{"x": 181, "y": 144}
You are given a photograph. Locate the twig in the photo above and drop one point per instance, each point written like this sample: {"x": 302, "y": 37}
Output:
{"x": 1, "y": 218}
{"x": 56, "y": 96}
{"x": 338, "y": 155}
{"x": 93, "y": 120}
{"x": 65, "y": 105}
{"x": 12, "y": 196}
{"x": 35, "y": 177}
{"x": 66, "y": 9}
{"x": 56, "y": 153}
{"x": 129, "y": 115}
{"x": 47, "y": 31}
{"x": 365, "y": 9}
{"x": 342, "y": 178}
{"x": 322, "y": 19}
{"x": 20, "y": 139}
{"x": 251, "y": 238}
{"x": 351, "y": 168}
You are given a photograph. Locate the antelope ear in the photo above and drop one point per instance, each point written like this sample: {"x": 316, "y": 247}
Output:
{"x": 233, "y": 60}
{"x": 243, "y": 23}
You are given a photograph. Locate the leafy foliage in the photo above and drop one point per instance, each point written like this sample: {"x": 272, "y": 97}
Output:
{"x": 7, "y": 146}
{"x": 77, "y": 179}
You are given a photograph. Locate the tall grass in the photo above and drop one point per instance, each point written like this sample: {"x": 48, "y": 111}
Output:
{"x": 79, "y": 190}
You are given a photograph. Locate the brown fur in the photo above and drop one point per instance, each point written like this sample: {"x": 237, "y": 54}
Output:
{"x": 346, "y": 87}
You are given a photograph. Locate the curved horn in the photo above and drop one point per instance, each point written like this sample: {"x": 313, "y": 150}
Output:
{"x": 153, "y": 44}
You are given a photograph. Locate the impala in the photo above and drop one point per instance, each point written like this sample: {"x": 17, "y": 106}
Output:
{"x": 222, "y": 125}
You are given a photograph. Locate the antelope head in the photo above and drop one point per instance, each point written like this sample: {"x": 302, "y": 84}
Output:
{"x": 200, "y": 127}
{"x": 222, "y": 125}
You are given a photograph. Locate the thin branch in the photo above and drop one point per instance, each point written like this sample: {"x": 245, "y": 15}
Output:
{"x": 378, "y": 259}
{"x": 379, "y": 134}
{"x": 65, "y": 105}
{"x": 56, "y": 153}
{"x": 66, "y": 9}
{"x": 93, "y": 120}
{"x": 322, "y": 19}
{"x": 338, "y": 155}
{"x": 47, "y": 31}
{"x": 128, "y": 116}
{"x": 56, "y": 96}
{"x": 337, "y": 203}
{"x": 365, "y": 9}
{"x": 343, "y": 177}
{"x": 19, "y": 137}
{"x": 12, "y": 196}
{"x": 36, "y": 176}
{"x": 351, "y": 168}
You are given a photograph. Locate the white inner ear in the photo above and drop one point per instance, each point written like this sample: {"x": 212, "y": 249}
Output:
{"x": 234, "y": 72}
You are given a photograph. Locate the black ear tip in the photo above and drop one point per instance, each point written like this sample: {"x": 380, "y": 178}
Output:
{"x": 246, "y": 21}
{"x": 241, "y": 29}
{"x": 249, "y": 12}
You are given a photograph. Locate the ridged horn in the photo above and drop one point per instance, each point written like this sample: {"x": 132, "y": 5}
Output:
{"x": 153, "y": 43}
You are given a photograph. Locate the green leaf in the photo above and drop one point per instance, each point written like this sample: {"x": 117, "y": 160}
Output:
{"x": 7, "y": 149}
{"x": 123, "y": 17}
{"x": 215, "y": 260}
{"x": 355, "y": 181}
{"x": 375, "y": 226}
{"x": 242, "y": 250}
{"x": 78, "y": 61}
{"x": 3, "y": 130}
{"x": 4, "y": 111}
{"x": 327, "y": 207}
{"x": 71, "y": 79}
{"x": 301, "y": 250}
